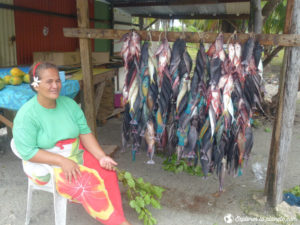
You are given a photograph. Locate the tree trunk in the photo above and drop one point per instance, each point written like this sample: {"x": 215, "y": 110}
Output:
{"x": 272, "y": 55}
{"x": 283, "y": 125}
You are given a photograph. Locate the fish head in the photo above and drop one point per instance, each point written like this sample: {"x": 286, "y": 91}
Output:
{"x": 212, "y": 49}
{"x": 135, "y": 37}
{"x": 125, "y": 37}
{"x": 204, "y": 164}
{"x": 219, "y": 42}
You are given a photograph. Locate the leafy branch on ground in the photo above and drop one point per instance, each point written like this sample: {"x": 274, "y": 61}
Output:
{"x": 175, "y": 166}
{"x": 141, "y": 195}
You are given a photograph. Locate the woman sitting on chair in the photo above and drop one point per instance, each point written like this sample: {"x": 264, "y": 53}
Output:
{"x": 52, "y": 129}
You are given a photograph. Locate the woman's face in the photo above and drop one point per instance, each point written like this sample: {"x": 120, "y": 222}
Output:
{"x": 50, "y": 84}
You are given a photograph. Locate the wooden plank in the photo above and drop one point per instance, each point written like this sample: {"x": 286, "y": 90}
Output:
{"x": 86, "y": 65}
{"x": 207, "y": 37}
{"x": 110, "y": 150}
{"x": 6, "y": 121}
{"x": 283, "y": 125}
{"x": 98, "y": 95}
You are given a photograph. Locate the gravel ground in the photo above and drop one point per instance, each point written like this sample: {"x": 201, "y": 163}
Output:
{"x": 187, "y": 200}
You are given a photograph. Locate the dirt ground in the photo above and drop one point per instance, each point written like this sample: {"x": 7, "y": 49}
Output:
{"x": 187, "y": 200}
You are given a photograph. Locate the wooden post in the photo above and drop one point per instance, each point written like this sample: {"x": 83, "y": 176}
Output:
{"x": 141, "y": 23}
{"x": 283, "y": 125}
{"x": 86, "y": 65}
{"x": 257, "y": 28}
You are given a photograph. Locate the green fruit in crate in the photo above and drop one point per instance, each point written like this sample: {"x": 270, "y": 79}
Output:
{"x": 7, "y": 79}
{"x": 26, "y": 78}
{"x": 15, "y": 80}
{"x": 2, "y": 84}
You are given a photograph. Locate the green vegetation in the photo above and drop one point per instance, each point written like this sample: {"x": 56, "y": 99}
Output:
{"x": 175, "y": 166}
{"x": 295, "y": 190}
{"x": 277, "y": 60}
{"x": 141, "y": 195}
{"x": 256, "y": 123}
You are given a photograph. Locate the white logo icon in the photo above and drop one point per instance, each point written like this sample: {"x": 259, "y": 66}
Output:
{"x": 228, "y": 218}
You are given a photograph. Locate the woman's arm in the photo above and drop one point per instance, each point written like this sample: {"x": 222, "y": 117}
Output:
{"x": 68, "y": 166}
{"x": 91, "y": 144}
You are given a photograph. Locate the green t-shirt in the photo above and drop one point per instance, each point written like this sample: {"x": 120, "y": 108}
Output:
{"x": 36, "y": 127}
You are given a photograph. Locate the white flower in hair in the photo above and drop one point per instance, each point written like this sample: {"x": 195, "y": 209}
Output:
{"x": 35, "y": 82}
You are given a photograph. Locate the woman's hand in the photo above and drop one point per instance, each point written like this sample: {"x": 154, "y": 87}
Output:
{"x": 70, "y": 169}
{"x": 107, "y": 163}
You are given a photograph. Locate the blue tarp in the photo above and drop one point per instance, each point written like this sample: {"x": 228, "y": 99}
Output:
{"x": 13, "y": 97}
{"x": 291, "y": 199}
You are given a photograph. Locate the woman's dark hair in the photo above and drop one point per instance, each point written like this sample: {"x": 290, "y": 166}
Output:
{"x": 37, "y": 68}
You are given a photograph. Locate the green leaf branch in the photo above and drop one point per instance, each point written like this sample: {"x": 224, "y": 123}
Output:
{"x": 175, "y": 166}
{"x": 141, "y": 195}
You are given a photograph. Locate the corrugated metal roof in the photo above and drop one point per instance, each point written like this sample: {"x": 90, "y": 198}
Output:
{"x": 7, "y": 36}
{"x": 184, "y": 9}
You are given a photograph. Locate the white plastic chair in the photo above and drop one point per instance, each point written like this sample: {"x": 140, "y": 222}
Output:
{"x": 60, "y": 203}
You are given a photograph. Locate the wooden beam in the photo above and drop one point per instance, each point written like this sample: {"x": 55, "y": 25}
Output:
{"x": 283, "y": 124}
{"x": 207, "y": 37}
{"x": 6, "y": 121}
{"x": 86, "y": 65}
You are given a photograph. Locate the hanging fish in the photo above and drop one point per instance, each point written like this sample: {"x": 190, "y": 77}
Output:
{"x": 176, "y": 56}
{"x": 163, "y": 53}
{"x": 150, "y": 140}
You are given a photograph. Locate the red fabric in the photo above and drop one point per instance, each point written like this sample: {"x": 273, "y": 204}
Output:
{"x": 112, "y": 186}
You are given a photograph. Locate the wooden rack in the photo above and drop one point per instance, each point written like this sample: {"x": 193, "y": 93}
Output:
{"x": 193, "y": 37}
{"x": 288, "y": 83}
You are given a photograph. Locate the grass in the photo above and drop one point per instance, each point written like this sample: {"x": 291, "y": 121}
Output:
{"x": 277, "y": 60}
